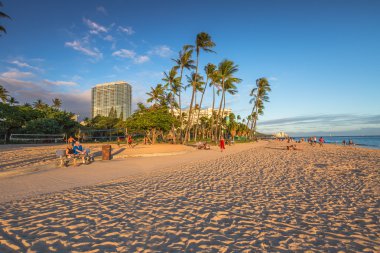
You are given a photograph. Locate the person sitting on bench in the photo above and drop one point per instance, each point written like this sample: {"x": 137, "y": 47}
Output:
{"x": 69, "y": 151}
{"x": 79, "y": 151}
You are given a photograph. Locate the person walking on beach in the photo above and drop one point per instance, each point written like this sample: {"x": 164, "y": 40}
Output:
{"x": 221, "y": 144}
{"x": 321, "y": 141}
{"x": 344, "y": 142}
{"x": 71, "y": 141}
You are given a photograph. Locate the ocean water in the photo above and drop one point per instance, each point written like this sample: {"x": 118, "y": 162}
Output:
{"x": 372, "y": 142}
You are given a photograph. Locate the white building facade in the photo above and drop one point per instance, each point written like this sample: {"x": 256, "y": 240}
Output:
{"x": 113, "y": 95}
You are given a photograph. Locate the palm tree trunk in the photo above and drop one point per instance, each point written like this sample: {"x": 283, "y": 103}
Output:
{"x": 212, "y": 112}
{"x": 220, "y": 108}
{"x": 224, "y": 106}
{"x": 189, "y": 117}
{"x": 180, "y": 106}
{"x": 200, "y": 108}
{"x": 172, "y": 112}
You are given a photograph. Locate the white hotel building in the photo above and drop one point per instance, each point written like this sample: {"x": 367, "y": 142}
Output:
{"x": 116, "y": 95}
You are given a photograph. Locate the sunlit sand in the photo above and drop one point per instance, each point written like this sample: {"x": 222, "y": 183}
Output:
{"x": 260, "y": 198}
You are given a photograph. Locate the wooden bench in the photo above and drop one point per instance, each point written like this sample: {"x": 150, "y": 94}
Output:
{"x": 64, "y": 160}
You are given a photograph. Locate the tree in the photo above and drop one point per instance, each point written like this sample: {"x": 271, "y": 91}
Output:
{"x": 12, "y": 101}
{"x": 226, "y": 70}
{"x": 259, "y": 95}
{"x": 209, "y": 70}
{"x": 3, "y": 94}
{"x": 38, "y": 104}
{"x": 3, "y": 15}
{"x": 156, "y": 95}
{"x": 152, "y": 120}
{"x": 184, "y": 61}
{"x": 195, "y": 82}
{"x": 57, "y": 103}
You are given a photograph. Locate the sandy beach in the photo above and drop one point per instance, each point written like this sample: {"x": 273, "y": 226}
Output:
{"x": 256, "y": 198}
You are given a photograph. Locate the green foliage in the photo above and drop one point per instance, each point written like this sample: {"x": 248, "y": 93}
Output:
{"x": 43, "y": 125}
{"x": 42, "y": 118}
{"x": 155, "y": 117}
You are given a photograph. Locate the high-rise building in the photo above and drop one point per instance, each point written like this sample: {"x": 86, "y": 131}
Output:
{"x": 111, "y": 97}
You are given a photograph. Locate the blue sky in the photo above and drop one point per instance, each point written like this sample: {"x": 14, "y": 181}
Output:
{"x": 322, "y": 58}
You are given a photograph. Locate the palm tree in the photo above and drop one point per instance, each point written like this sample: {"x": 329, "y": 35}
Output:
{"x": 38, "y": 104}
{"x": 12, "y": 101}
{"x": 56, "y": 103}
{"x": 156, "y": 95}
{"x": 226, "y": 70}
{"x": 195, "y": 81}
{"x": 216, "y": 83}
{"x": 209, "y": 70}
{"x": 173, "y": 85}
{"x": 3, "y": 94}
{"x": 3, "y": 15}
{"x": 184, "y": 61}
{"x": 259, "y": 95}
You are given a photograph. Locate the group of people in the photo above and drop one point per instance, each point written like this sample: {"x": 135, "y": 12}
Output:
{"x": 313, "y": 141}
{"x": 349, "y": 143}
{"x": 75, "y": 149}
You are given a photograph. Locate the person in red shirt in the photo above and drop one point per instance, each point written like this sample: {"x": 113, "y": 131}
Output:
{"x": 130, "y": 141}
{"x": 321, "y": 141}
{"x": 221, "y": 144}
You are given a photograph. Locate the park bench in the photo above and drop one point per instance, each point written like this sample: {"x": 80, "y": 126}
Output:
{"x": 63, "y": 160}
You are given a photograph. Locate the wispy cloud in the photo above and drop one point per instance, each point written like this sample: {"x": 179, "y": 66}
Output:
{"x": 130, "y": 54}
{"x": 95, "y": 28}
{"x": 28, "y": 91}
{"x": 23, "y": 64}
{"x": 320, "y": 123}
{"x": 16, "y": 74}
{"x": 60, "y": 83}
{"x": 141, "y": 59}
{"x": 102, "y": 10}
{"x": 109, "y": 38}
{"x": 76, "y": 45}
{"x": 126, "y": 29}
{"x": 124, "y": 53}
{"x": 162, "y": 51}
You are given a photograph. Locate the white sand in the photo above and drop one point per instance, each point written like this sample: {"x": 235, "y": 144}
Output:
{"x": 262, "y": 199}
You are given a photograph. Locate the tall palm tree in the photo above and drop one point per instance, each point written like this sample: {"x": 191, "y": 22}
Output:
{"x": 38, "y": 104}
{"x": 184, "y": 61}
{"x": 3, "y": 15}
{"x": 215, "y": 83}
{"x": 209, "y": 70}
{"x": 226, "y": 70}
{"x": 173, "y": 85}
{"x": 57, "y": 103}
{"x": 3, "y": 94}
{"x": 12, "y": 101}
{"x": 259, "y": 95}
{"x": 195, "y": 82}
{"x": 156, "y": 95}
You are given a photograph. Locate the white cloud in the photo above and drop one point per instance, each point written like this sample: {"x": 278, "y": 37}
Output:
{"x": 130, "y": 54}
{"x": 109, "y": 38}
{"x": 101, "y": 9}
{"x": 125, "y": 53}
{"x": 76, "y": 45}
{"x": 22, "y": 64}
{"x": 60, "y": 83}
{"x": 95, "y": 28}
{"x": 127, "y": 29}
{"x": 16, "y": 74}
{"x": 141, "y": 59}
{"x": 28, "y": 91}
{"x": 162, "y": 51}
{"x": 272, "y": 78}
